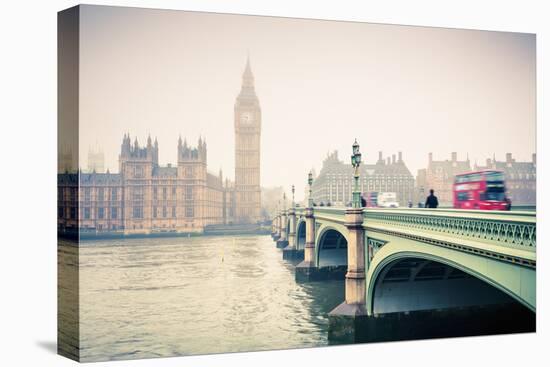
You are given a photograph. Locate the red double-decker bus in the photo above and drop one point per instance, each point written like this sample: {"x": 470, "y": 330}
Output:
{"x": 480, "y": 190}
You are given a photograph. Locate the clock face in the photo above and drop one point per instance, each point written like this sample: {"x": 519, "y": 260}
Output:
{"x": 246, "y": 118}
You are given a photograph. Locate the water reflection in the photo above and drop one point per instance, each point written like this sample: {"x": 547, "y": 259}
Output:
{"x": 154, "y": 297}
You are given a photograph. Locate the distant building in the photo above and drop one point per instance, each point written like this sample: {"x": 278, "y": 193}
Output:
{"x": 248, "y": 125}
{"x": 96, "y": 160}
{"x": 145, "y": 197}
{"x": 521, "y": 178}
{"x": 334, "y": 184}
{"x": 439, "y": 176}
{"x": 270, "y": 200}
{"x": 66, "y": 160}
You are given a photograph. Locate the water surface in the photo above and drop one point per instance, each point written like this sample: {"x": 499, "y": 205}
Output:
{"x": 158, "y": 297}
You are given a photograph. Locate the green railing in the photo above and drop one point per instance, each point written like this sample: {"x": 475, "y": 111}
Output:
{"x": 516, "y": 229}
{"x": 513, "y": 229}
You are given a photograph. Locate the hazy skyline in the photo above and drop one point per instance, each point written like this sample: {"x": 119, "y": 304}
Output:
{"x": 321, "y": 84}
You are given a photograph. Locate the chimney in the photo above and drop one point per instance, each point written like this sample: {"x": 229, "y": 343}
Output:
{"x": 400, "y": 157}
{"x": 430, "y": 157}
{"x": 393, "y": 159}
{"x": 453, "y": 156}
{"x": 534, "y": 158}
{"x": 380, "y": 159}
{"x": 508, "y": 157}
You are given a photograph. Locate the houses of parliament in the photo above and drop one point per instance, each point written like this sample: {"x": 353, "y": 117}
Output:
{"x": 146, "y": 198}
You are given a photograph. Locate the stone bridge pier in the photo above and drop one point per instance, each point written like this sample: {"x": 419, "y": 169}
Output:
{"x": 291, "y": 252}
{"x": 273, "y": 227}
{"x": 345, "y": 319}
{"x": 282, "y": 242}
{"x": 276, "y": 228}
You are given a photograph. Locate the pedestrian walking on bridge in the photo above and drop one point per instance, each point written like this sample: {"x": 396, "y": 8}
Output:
{"x": 431, "y": 200}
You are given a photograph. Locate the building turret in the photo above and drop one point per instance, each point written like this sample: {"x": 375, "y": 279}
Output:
{"x": 137, "y": 161}
{"x": 380, "y": 158}
{"x": 186, "y": 153}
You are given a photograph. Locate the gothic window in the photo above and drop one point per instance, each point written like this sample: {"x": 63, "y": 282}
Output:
{"x": 189, "y": 192}
{"x": 154, "y": 212}
{"x": 73, "y": 213}
{"x": 100, "y": 193}
{"x": 155, "y": 193}
{"x": 164, "y": 194}
{"x": 137, "y": 193}
{"x": 114, "y": 194}
{"x": 87, "y": 194}
{"x": 189, "y": 211}
{"x": 174, "y": 192}
{"x": 138, "y": 212}
{"x": 114, "y": 213}
{"x": 101, "y": 213}
{"x": 173, "y": 212}
{"x": 164, "y": 212}
{"x": 138, "y": 172}
{"x": 86, "y": 213}
{"x": 188, "y": 172}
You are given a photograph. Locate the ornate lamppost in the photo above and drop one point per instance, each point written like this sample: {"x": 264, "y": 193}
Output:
{"x": 310, "y": 182}
{"x": 290, "y": 251}
{"x": 355, "y": 162}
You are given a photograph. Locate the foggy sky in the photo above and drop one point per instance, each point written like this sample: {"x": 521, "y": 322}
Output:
{"x": 321, "y": 84}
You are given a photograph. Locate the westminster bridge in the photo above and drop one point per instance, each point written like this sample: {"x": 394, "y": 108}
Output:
{"x": 417, "y": 273}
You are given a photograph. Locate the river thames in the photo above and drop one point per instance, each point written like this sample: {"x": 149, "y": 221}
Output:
{"x": 160, "y": 297}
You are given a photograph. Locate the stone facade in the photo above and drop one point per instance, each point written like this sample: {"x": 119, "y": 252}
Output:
{"x": 439, "y": 176}
{"x": 145, "y": 198}
{"x": 334, "y": 184}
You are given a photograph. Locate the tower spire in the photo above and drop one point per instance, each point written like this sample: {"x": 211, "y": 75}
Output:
{"x": 248, "y": 77}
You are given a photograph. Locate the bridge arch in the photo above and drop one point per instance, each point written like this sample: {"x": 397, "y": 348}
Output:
{"x": 300, "y": 234}
{"x": 331, "y": 247}
{"x": 436, "y": 277}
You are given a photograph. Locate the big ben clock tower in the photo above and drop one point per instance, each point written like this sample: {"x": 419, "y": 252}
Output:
{"x": 248, "y": 123}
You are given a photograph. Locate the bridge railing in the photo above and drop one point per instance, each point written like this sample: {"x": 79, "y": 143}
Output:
{"x": 514, "y": 229}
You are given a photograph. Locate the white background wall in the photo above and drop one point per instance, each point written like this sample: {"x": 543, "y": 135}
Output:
{"x": 28, "y": 166}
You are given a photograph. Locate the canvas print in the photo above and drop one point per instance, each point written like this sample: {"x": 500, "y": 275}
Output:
{"x": 233, "y": 183}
